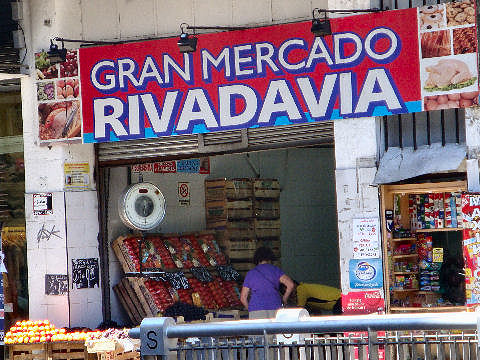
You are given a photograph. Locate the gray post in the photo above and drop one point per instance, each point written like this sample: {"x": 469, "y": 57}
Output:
{"x": 372, "y": 347}
{"x": 153, "y": 336}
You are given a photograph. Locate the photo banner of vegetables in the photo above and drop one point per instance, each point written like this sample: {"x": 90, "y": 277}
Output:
{"x": 58, "y": 96}
{"x": 373, "y": 64}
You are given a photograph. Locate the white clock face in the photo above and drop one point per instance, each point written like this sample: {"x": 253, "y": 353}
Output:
{"x": 142, "y": 206}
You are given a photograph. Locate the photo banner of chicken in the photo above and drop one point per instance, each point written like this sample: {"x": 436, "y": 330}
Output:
{"x": 448, "y": 49}
{"x": 58, "y": 96}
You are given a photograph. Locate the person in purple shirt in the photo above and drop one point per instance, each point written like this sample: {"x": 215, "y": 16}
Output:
{"x": 262, "y": 283}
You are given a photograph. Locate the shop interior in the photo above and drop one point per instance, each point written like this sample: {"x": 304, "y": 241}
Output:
{"x": 307, "y": 225}
{"x": 423, "y": 244}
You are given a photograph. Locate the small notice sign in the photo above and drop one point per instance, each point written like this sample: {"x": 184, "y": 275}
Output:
{"x": 366, "y": 243}
{"x": 77, "y": 176}
{"x": 42, "y": 204}
{"x": 183, "y": 193}
{"x": 56, "y": 284}
{"x": 438, "y": 255}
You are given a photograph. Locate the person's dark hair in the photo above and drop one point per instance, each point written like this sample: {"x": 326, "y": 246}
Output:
{"x": 263, "y": 253}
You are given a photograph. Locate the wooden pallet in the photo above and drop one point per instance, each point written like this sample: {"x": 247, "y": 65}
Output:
{"x": 218, "y": 190}
{"x": 68, "y": 350}
{"x": 28, "y": 351}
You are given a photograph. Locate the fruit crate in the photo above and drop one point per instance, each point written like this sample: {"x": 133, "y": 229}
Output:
{"x": 229, "y": 210}
{"x": 266, "y": 209}
{"x": 28, "y": 351}
{"x": 267, "y": 228}
{"x": 68, "y": 350}
{"x": 221, "y": 189}
{"x": 235, "y": 229}
{"x": 240, "y": 249}
{"x": 266, "y": 188}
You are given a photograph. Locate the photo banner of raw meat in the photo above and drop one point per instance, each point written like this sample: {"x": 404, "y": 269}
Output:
{"x": 448, "y": 63}
{"x": 58, "y": 96}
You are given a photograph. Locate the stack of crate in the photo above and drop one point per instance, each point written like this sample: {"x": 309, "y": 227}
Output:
{"x": 266, "y": 211}
{"x": 229, "y": 211}
{"x": 245, "y": 214}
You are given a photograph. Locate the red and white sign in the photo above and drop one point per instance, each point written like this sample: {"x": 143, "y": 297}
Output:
{"x": 390, "y": 62}
{"x": 471, "y": 246}
{"x": 183, "y": 193}
{"x": 363, "y": 302}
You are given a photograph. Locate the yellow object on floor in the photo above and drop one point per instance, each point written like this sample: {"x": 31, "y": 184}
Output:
{"x": 326, "y": 296}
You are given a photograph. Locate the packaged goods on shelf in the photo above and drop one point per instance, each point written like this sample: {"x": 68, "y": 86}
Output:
{"x": 435, "y": 210}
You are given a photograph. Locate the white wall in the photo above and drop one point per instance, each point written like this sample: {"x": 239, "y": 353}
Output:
{"x": 355, "y": 156}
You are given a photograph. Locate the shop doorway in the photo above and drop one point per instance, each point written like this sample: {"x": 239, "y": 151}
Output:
{"x": 308, "y": 237}
{"x": 12, "y": 206}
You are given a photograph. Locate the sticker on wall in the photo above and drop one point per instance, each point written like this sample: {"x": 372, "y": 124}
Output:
{"x": 366, "y": 244}
{"x": 56, "y": 284}
{"x": 77, "y": 176}
{"x": 183, "y": 193}
{"x": 192, "y": 166}
{"x": 42, "y": 204}
{"x": 85, "y": 273}
{"x": 366, "y": 274}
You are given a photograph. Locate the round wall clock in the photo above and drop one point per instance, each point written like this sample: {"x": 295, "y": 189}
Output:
{"x": 142, "y": 206}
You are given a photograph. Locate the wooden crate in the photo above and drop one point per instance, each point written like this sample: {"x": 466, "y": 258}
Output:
{"x": 236, "y": 229}
{"x": 266, "y": 209}
{"x": 67, "y": 350}
{"x": 229, "y": 210}
{"x": 129, "y": 301}
{"x": 240, "y": 249}
{"x": 267, "y": 228}
{"x": 221, "y": 189}
{"x": 28, "y": 351}
{"x": 122, "y": 254}
{"x": 266, "y": 188}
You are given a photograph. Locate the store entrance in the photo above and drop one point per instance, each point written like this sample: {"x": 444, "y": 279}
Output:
{"x": 284, "y": 199}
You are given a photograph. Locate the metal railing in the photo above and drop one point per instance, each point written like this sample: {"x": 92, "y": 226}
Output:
{"x": 446, "y": 336}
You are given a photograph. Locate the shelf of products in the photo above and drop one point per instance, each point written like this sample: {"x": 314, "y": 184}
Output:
{"x": 422, "y": 231}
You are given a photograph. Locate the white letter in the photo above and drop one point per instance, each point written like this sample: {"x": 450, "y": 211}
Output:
{"x": 319, "y": 44}
{"x": 238, "y": 60}
{"x": 109, "y": 78}
{"x": 150, "y": 70}
{"x": 224, "y": 99}
{"x": 288, "y": 105}
{"x": 101, "y": 119}
{"x": 128, "y": 72}
{"x": 317, "y": 108}
{"x": 387, "y": 93}
{"x": 205, "y": 113}
{"x": 169, "y": 62}
{"x": 159, "y": 124}
{"x": 281, "y": 54}
{"x": 346, "y": 96}
{"x": 266, "y": 57}
{"x": 358, "y": 47}
{"x": 371, "y": 51}
{"x": 208, "y": 58}
{"x": 133, "y": 115}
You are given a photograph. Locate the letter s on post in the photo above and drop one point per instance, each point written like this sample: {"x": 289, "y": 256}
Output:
{"x": 152, "y": 341}
{"x": 109, "y": 84}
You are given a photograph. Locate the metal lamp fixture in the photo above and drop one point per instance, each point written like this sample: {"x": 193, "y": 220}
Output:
{"x": 321, "y": 25}
{"x": 56, "y": 55}
{"x": 188, "y": 43}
